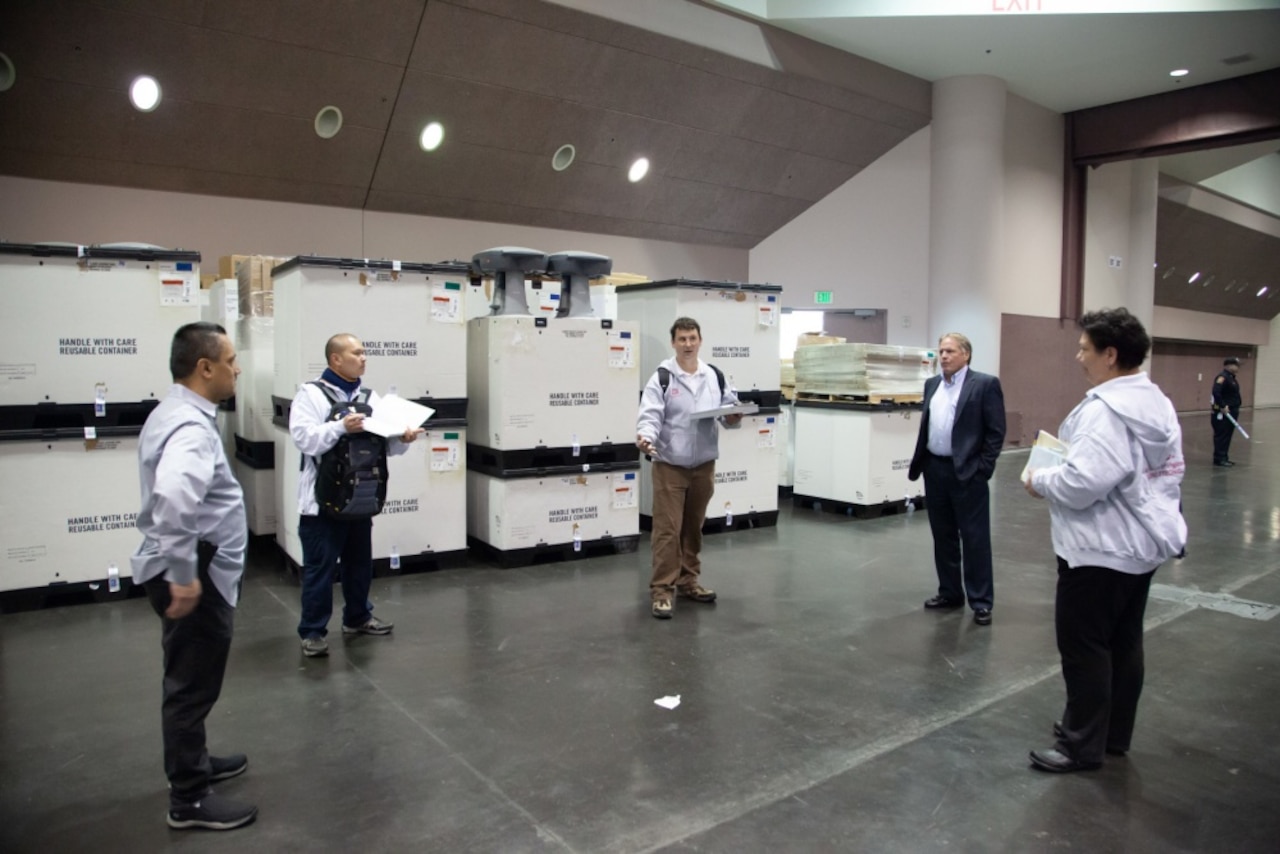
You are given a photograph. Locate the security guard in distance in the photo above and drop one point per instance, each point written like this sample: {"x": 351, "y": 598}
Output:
{"x": 1226, "y": 398}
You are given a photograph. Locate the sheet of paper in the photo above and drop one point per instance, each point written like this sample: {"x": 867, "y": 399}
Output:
{"x": 393, "y": 415}
{"x": 740, "y": 408}
{"x": 1046, "y": 452}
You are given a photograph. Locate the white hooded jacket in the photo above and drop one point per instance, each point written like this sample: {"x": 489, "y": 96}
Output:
{"x": 1115, "y": 501}
{"x": 667, "y": 419}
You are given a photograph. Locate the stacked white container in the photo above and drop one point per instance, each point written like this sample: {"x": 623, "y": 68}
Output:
{"x": 740, "y": 336}
{"x": 85, "y": 333}
{"x": 411, "y": 320}
{"x": 553, "y": 463}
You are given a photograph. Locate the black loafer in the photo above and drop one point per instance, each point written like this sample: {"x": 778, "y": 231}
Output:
{"x": 1056, "y": 762}
{"x": 1111, "y": 751}
{"x": 938, "y": 602}
{"x": 982, "y": 616}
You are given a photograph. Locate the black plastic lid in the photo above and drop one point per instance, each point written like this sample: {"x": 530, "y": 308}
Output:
{"x": 701, "y": 285}
{"x": 119, "y": 253}
{"x": 459, "y": 268}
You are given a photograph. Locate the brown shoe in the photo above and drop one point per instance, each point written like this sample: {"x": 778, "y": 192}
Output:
{"x": 697, "y": 593}
{"x": 662, "y": 607}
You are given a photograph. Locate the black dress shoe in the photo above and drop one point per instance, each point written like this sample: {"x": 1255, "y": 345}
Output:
{"x": 1111, "y": 751}
{"x": 1056, "y": 762}
{"x": 936, "y": 602}
{"x": 982, "y": 616}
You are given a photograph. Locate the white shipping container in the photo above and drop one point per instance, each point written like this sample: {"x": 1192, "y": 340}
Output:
{"x": 571, "y": 381}
{"x": 83, "y": 324}
{"x": 411, "y": 318}
{"x": 77, "y": 516}
{"x": 511, "y": 514}
{"x": 740, "y": 328}
{"x": 426, "y": 497}
{"x": 254, "y": 389}
{"x": 260, "y": 503}
{"x": 856, "y": 456}
{"x": 746, "y": 473}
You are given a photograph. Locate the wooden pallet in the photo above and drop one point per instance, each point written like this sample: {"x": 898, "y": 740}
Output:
{"x": 817, "y": 397}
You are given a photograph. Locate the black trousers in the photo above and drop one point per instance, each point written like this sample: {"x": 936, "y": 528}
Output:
{"x": 1223, "y": 430}
{"x": 195, "y": 659}
{"x": 1098, "y": 616}
{"x": 960, "y": 519}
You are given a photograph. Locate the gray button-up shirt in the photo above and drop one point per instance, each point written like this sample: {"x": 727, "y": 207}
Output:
{"x": 189, "y": 493}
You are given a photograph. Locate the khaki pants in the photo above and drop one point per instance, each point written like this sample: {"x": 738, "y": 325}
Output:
{"x": 680, "y": 499}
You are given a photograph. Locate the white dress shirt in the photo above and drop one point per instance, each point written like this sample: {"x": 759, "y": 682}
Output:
{"x": 942, "y": 412}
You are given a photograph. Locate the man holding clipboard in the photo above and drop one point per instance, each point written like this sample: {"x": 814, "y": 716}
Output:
{"x": 678, "y": 429}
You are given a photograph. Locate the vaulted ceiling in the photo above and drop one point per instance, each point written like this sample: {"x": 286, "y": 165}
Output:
{"x": 744, "y": 148}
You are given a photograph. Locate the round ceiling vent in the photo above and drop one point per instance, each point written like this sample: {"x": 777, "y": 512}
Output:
{"x": 328, "y": 122}
{"x": 563, "y": 157}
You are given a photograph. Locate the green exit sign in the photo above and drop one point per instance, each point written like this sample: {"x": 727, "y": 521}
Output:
{"x": 823, "y": 297}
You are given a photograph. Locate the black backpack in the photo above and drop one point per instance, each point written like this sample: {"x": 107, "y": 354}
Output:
{"x": 351, "y": 477}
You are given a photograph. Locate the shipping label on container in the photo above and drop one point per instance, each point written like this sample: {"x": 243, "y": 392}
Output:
{"x": 731, "y": 352}
{"x": 738, "y": 476}
{"x": 766, "y": 437}
{"x": 25, "y": 554}
{"x": 80, "y": 345}
{"x": 446, "y": 302}
{"x": 391, "y": 348}
{"x": 100, "y": 265}
{"x": 621, "y": 349}
{"x": 573, "y": 398}
{"x": 179, "y": 283}
{"x": 400, "y": 505}
{"x": 767, "y": 315}
{"x": 625, "y": 493}
{"x": 445, "y": 451}
{"x": 16, "y": 371}
{"x": 106, "y": 522}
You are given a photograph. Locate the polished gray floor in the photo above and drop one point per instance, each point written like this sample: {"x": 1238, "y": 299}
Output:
{"x": 821, "y": 708}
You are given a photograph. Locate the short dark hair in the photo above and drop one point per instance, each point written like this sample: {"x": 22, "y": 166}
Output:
{"x": 191, "y": 343}
{"x": 334, "y": 345}
{"x": 685, "y": 323}
{"x": 1231, "y": 360}
{"x": 1116, "y": 327}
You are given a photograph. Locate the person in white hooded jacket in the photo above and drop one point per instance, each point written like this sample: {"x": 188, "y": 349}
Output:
{"x": 1114, "y": 506}
{"x": 684, "y": 451}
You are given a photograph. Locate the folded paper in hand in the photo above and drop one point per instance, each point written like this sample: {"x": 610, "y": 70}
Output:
{"x": 731, "y": 409}
{"x": 1047, "y": 451}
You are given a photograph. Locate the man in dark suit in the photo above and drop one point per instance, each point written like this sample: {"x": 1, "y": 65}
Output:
{"x": 960, "y": 439}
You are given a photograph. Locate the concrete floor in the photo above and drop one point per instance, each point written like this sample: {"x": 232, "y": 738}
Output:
{"x": 822, "y": 709}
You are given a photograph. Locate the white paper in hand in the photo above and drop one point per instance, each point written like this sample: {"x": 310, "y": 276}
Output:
{"x": 668, "y": 702}
{"x": 393, "y": 415}
{"x": 1047, "y": 452}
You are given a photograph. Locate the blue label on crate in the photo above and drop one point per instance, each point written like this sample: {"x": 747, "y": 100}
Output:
{"x": 769, "y": 420}
{"x": 773, "y": 299}
{"x": 629, "y": 476}
{"x": 626, "y": 334}
{"x": 183, "y": 267}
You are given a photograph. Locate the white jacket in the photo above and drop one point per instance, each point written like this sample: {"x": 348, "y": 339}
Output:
{"x": 314, "y": 434}
{"x": 665, "y": 420}
{"x": 1115, "y": 501}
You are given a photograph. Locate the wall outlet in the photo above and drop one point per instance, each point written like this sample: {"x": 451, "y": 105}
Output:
{"x": 906, "y": 321}
{"x": 1115, "y": 261}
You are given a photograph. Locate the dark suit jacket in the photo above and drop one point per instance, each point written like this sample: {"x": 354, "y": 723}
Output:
{"x": 978, "y": 432}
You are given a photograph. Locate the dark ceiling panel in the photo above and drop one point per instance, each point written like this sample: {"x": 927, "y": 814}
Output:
{"x": 1234, "y": 263}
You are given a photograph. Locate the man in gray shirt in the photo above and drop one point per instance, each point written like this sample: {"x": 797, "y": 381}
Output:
{"x": 191, "y": 560}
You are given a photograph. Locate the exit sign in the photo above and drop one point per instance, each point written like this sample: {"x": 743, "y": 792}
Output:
{"x": 823, "y": 297}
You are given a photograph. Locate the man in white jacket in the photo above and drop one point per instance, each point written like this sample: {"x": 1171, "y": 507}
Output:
{"x": 1114, "y": 510}
{"x": 684, "y": 452}
{"x": 326, "y": 540}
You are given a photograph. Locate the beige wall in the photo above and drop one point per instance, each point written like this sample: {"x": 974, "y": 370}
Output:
{"x": 1267, "y": 390}
{"x": 1180, "y": 324}
{"x": 1031, "y": 248}
{"x": 36, "y": 211}
{"x": 1107, "y": 235}
{"x": 867, "y": 242}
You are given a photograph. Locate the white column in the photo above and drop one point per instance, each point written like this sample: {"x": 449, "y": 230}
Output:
{"x": 1140, "y": 279}
{"x": 966, "y": 213}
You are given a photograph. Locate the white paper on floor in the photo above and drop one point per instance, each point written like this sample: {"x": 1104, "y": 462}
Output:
{"x": 668, "y": 702}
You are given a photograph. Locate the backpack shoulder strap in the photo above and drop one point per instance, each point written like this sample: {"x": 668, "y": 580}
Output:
{"x": 664, "y": 379}
{"x": 719, "y": 376}
{"x": 329, "y": 393}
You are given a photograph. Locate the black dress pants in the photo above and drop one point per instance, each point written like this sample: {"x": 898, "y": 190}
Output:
{"x": 195, "y": 659}
{"x": 1223, "y": 430}
{"x": 960, "y": 520}
{"x": 1098, "y": 616}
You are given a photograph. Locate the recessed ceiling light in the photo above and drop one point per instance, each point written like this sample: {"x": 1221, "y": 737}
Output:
{"x": 432, "y": 136}
{"x": 563, "y": 157}
{"x": 1265, "y": 288}
{"x": 144, "y": 92}
{"x": 638, "y": 170}
{"x": 1179, "y": 72}
{"x": 8, "y": 73}
{"x": 328, "y": 122}
{"x": 1194, "y": 276}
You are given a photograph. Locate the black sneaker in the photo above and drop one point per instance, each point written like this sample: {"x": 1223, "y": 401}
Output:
{"x": 211, "y": 812}
{"x": 226, "y": 767}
